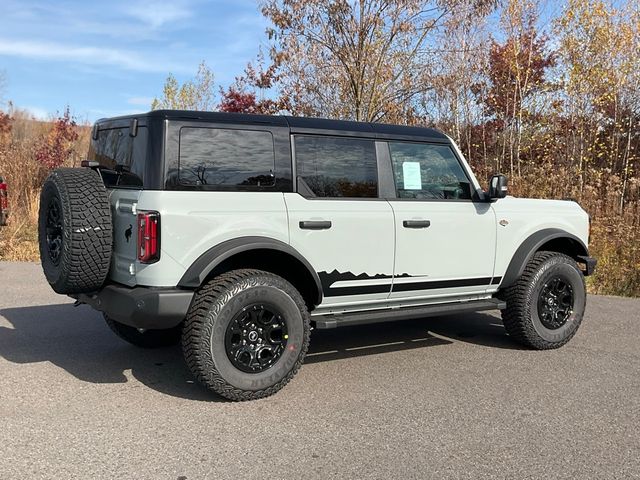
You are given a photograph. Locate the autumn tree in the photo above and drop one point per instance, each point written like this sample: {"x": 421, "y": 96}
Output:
{"x": 460, "y": 64}
{"x": 196, "y": 94}
{"x": 362, "y": 60}
{"x": 252, "y": 92}
{"x": 515, "y": 74}
{"x": 599, "y": 48}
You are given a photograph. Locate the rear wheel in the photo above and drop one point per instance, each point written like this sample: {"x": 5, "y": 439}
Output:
{"x": 546, "y": 305}
{"x": 145, "y": 338}
{"x": 246, "y": 334}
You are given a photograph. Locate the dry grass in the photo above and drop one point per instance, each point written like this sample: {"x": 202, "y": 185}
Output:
{"x": 24, "y": 175}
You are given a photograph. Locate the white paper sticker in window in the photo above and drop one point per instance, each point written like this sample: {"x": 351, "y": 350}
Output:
{"x": 411, "y": 175}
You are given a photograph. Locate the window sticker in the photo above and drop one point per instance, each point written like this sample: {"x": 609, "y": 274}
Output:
{"x": 411, "y": 175}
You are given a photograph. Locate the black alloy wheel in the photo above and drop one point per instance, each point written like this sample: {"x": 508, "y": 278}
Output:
{"x": 256, "y": 338}
{"x": 555, "y": 303}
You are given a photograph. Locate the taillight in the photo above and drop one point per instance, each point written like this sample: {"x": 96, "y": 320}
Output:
{"x": 148, "y": 237}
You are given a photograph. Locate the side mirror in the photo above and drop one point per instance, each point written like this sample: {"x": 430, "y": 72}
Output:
{"x": 497, "y": 187}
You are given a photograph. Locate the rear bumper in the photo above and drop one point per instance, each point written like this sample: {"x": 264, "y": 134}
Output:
{"x": 590, "y": 264}
{"x": 140, "y": 307}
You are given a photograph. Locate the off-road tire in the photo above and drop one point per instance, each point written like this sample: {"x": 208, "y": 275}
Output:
{"x": 83, "y": 258}
{"x": 214, "y": 306}
{"x": 150, "y": 338}
{"x": 521, "y": 319}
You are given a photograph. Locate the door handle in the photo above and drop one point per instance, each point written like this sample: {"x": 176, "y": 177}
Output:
{"x": 315, "y": 224}
{"x": 416, "y": 223}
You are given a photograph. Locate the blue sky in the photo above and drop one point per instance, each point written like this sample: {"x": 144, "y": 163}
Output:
{"x": 111, "y": 57}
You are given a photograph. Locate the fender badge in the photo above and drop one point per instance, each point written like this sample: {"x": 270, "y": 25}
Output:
{"x": 504, "y": 222}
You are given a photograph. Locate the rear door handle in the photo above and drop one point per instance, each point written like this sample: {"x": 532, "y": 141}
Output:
{"x": 416, "y": 223}
{"x": 315, "y": 224}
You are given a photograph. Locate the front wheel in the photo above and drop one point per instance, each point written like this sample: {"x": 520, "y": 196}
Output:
{"x": 246, "y": 334}
{"x": 546, "y": 304}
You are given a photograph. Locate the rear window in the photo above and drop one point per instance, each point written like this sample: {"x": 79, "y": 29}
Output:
{"x": 116, "y": 150}
{"x": 226, "y": 159}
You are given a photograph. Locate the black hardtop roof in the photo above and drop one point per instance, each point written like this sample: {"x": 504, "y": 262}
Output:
{"x": 296, "y": 124}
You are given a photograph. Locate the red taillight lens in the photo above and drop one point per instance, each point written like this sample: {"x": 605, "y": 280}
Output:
{"x": 148, "y": 237}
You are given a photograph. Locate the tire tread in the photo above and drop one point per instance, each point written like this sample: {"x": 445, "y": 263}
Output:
{"x": 88, "y": 231}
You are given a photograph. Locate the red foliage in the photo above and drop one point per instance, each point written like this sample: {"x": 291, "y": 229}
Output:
{"x": 57, "y": 146}
{"x": 234, "y": 100}
{"x": 517, "y": 69}
{"x": 237, "y": 100}
{"x": 247, "y": 94}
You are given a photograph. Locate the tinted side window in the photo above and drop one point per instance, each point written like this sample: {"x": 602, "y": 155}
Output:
{"x": 116, "y": 150}
{"x": 426, "y": 171}
{"x": 225, "y": 159}
{"x": 336, "y": 166}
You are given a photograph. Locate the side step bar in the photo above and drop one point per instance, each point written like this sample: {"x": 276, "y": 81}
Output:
{"x": 405, "y": 313}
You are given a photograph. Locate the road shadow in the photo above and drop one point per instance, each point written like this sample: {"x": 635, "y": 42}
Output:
{"x": 77, "y": 340}
{"x": 476, "y": 328}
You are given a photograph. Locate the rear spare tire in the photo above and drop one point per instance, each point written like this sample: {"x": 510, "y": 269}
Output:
{"x": 74, "y": 230}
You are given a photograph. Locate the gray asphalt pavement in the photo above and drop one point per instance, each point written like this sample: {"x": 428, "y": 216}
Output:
{"x": 449, "y": 397}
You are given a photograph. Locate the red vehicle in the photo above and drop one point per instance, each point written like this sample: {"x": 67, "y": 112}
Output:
{"x": 4, "y": 202}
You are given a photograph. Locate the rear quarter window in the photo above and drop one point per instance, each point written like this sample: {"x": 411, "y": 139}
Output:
{"x": 226, "y": 159}
{"x": 115, "y": 150}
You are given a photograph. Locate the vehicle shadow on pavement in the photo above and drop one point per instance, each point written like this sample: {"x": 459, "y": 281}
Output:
{"x": 78, "y": 341}
{"x": 475, "y": 328}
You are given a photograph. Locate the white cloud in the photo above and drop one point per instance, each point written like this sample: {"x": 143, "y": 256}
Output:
{"x": 84, "y": 55}
{"x": 157, "y": 14}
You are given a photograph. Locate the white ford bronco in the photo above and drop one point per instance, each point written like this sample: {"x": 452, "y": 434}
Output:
{"x": 236, "y": 234}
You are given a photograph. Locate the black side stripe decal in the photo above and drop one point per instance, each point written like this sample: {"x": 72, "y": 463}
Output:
{"x": 466, "y": 282}
{"x": 408, "y": 287}
{"x": 357, "y": 290}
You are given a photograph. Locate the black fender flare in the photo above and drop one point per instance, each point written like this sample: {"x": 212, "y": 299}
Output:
{"x": 197, "y": 273}
{"x": 531, "y": 245}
